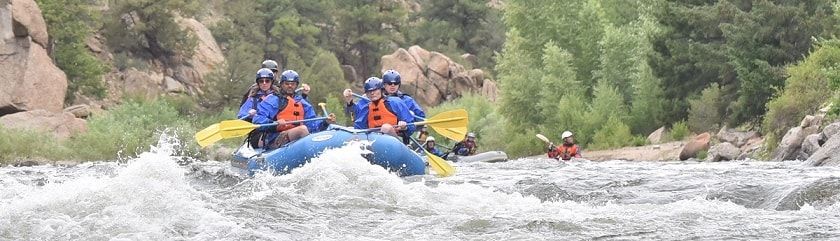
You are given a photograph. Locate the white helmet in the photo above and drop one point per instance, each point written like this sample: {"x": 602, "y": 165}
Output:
{"x": 566, "y": 134}
{"x": 431, "y": 138}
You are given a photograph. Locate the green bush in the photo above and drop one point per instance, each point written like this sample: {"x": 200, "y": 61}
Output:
{"x": 23, "y": 144}
{"x": 484, "y": 122}
{"x": 702, "y": 154}
{"x": 806, "y": 89}
{"x": 640, "y": 141}
{"x": 612, "y": 135}
{"x": 679, "y": 131}
{"x": 130, "y": 129}
{"x": 70, "y": 23}
{"x": 706, "y": 110}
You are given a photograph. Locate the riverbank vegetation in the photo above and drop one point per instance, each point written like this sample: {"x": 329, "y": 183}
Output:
{"x": 611, "y": 72}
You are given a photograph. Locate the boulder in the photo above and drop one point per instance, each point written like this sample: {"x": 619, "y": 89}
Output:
{"x": 656, "y": 136}
{"x": 207, "y": 55}
{"x": 432, "y": 78}
{"x": 420, "y": 55}
{"x": 810, "y": 121}
{"x": 724, "y": 151}
{"x": 29, "y": 78}
{"x": 173, "y": 86}
{"x": 79, "y": 111}
{"x": 827, "y": 154}
{"x": 692, "y": 148}
{"x": 791, "y": 142}
{"x": 829, "y": 131}
{"x": 811, "y": 144}
{"x": 737, "y": 138}
{"x": 753, "y": 145}
{"x": 62, "y": 124}
{"x": 28, "y": 21}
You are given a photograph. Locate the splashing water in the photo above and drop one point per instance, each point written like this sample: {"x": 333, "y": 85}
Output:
{"x": 339, "y": 195}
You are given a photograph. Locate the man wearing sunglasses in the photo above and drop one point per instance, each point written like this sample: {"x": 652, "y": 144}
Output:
{"x": 388, "y": 113}
{"x": 274, "y": 67}
{"x": 392, "y": 81}
{"x": 287, "y": 106}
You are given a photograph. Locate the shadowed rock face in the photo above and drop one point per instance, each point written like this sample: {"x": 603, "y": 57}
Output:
{"x": 827, "y": 154}
{"x": 28, "y": 77}
{"x": 431, "y": 77}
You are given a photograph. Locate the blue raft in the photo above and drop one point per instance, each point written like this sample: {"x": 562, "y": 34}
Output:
{"x": 385, "y": 150}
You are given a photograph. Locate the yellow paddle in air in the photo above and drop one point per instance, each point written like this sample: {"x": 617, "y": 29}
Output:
{"x": 234, "y": 128}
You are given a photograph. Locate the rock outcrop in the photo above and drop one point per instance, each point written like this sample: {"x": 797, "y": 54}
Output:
{"x": 61, "y": 124}
{"x": 28, "y": 77}
{"x": 724, "y": 152}
{"x": 431, "y": 77}
{"x": 790, "y": 146}
{"x": 827, "y": 154}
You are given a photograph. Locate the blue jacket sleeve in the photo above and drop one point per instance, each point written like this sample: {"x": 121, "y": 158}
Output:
{"x": 402, "y": 112}
{"x": 436, "y": 152}
{"x": 414, "y": 108}
{"x": 243, "y": 110}
{"x": 266, "y": 111}
{"x": 361, "y": 111}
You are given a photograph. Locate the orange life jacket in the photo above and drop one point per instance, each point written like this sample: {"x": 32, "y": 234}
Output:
{"x": 564, "y": 152}
{"x": 289, "y": 112}
{"x": 379, "y": 114}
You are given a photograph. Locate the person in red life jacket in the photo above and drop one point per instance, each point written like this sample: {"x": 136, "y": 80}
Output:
{"x": 567, "y": 150}
{"x": 387, "y": 112}
{"x": 392, "y": 81}
{"x": 283, "y": 107}
{"x": 466, "y": 147}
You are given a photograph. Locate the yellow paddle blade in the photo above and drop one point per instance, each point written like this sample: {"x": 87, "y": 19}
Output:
{"x": 441, "y": 167}
{"x": 235, "y": 128}
{"x": 456, "y": 134}
{"x": 209, "y": 135}
{"x": 450, "y": 119}
{"x": 451, "y": 124}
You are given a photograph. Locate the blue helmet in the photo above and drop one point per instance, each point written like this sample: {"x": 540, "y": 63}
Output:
{"x": 264, "y": 73}
{"x": 290, "y": 76}
{"x": 373, "y": 83}
{"x": 391, "y": 76}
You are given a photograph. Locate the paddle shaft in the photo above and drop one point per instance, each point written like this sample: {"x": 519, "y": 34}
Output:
{"x": 292, "y": 122}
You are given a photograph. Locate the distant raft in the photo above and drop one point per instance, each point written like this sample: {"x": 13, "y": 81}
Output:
{"x": 490, "y": 156}
{"x": 385, "y": 150}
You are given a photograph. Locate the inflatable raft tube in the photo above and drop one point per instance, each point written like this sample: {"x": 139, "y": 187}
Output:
{"x": 490, "y": 156}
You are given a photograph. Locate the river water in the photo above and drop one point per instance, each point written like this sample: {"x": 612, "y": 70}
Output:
{"x": 339, "y": 196}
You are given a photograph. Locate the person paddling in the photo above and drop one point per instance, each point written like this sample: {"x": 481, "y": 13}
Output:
{"x": 567, "y": 150}
{"x": 430, "y": 146}
{"x": 388, "y": 113}
{"x": 466, "y": 147}
{"x": 273, "y": 66}
{"x": 283, "y": 107}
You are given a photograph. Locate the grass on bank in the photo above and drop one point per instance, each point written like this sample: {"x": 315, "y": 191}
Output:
{"x": 122, "y": 132}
